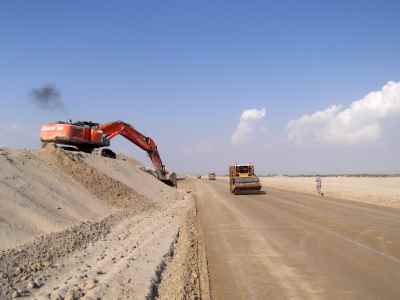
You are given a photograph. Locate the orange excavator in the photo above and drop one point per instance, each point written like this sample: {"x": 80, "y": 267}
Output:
{"x": 89, "y": 136}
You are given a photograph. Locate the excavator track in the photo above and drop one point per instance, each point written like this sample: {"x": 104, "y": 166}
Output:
{"x": 105, "y": 152}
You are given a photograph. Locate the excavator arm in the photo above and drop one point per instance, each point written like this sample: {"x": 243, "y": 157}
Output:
{"x": 113, "y": 129}
{"x": 146, "y": 143}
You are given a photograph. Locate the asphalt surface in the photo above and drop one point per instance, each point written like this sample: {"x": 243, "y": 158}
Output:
{"x": 285, "y": 245}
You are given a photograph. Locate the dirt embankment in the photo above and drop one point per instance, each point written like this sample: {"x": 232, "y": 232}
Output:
{"x": 37, "y": 198}
{"x": 113, "y": 192}
{"x": 79, "y": 226}
{"x": 186, "y": 270}
{"x": 383, "y": 191}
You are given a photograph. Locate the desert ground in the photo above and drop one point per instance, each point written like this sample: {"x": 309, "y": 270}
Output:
{"x": 383, "y": 191}
{"x": 82, "y": 226}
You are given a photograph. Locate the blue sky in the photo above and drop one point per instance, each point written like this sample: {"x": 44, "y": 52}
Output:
{"x": 183, "y": 72}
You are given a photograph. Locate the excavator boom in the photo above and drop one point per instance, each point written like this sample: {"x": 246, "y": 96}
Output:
{"x": 146, "y": 143}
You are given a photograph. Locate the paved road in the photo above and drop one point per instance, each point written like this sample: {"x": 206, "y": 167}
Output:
{"x": 285, "y": 245}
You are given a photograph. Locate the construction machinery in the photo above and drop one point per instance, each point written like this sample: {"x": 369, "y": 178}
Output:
{"x": 242, "y": 179}
{"x": 93, "y": 137}
{"x": 211, "y": 176}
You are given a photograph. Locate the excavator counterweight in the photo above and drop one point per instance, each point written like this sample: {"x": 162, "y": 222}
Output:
{"x": 88, "y": 136}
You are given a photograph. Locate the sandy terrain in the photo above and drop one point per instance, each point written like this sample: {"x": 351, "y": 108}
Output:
{"x": 75, "y": 226}
{"x": 81, "y": 226}
{"x": 37, "y": 198}
{"x": 384, "y": 191}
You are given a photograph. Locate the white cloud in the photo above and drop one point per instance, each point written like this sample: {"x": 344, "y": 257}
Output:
{"x": 360, "y": 122}
{"x": 248, "y": 125}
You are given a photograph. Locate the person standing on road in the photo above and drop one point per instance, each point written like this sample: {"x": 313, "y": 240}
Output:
{"x": 318, "y": 183}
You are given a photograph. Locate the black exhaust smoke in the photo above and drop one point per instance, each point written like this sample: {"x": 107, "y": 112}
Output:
{"x": 47, "y": 97}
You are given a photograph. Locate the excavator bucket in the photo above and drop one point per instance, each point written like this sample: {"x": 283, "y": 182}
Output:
{"x": 168, "y": 178}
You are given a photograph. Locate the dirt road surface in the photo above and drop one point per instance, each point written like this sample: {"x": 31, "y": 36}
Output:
{"x": 287, "y": 245}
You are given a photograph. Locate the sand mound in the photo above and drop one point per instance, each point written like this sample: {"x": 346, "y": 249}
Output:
{"x": 104, "y": 187}
{"x": 48, "y": 190}
{"x": 129, "y": 172}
